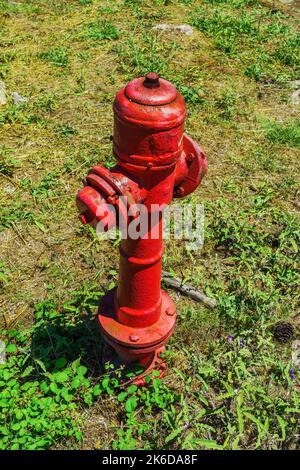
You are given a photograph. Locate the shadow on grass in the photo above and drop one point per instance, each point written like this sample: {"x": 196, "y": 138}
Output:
{"x": 57, "y": 341}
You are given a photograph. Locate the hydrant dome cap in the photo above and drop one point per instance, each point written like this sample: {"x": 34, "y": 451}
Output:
{"x": 151, "y": 90}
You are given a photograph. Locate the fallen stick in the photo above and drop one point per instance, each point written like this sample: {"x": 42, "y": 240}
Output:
{"x": 11, "y": 180}
{"x": 19, "y": 312}
{"x": 188, "y": 290}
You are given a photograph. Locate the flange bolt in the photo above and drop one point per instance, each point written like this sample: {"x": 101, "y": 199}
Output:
{"x": 134, "y": 338}
{"x": 170, "y": 311}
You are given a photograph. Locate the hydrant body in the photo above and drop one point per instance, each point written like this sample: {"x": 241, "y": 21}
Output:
{"x": 155, "y": 161}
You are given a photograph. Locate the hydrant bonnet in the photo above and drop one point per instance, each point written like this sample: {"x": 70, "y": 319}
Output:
{"x": 149, "y": 123}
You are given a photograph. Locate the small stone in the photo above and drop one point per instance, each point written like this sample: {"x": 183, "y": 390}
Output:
{"x": 295, "y": 97}
{"x": 182, "y": 28}
{"x": 185, "y": 29}
{"x": 162, "y": 27}
{"x": 2, "y": 94}
{"x": 2, "y": 353}
{"x": 296, "y": 353}
{"x": 9, "y": 189}
{"x": 18, "y": 99}
{"x": 296, "y": 204}
{"x": 294, "y": 84}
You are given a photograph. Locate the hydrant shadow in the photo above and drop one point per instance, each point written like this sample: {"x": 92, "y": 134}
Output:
{"x": 59, "y": 341}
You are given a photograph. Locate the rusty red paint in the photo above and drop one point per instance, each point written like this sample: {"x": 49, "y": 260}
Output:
{"x": 155, "y": 162}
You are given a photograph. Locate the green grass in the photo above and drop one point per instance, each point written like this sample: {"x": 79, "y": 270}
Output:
{"x": 284, "y": 134}
{"x": 58, "y": 56}
{"x": 229, "y": 383}
{"x": 249, "y": 34}
{"x": 102, "y": 30}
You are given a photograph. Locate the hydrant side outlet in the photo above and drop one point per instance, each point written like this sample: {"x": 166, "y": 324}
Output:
{"x": 156, "y": 161}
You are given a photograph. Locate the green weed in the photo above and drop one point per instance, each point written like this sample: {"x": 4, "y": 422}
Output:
{"x": 102, "y": 30}
{"x": 14, "y": 213}
{"x": 22, "y": 114}
{"x": 8, "y": 163}
{"x": 58, "y": 56}
{"x": 46, "y": 187}
{"x": 226, "y": 104}
{"x": 284, "y": 134}
{"x": 191, "y": 95}
{"x": 66, "y": 130}
{"x": 288, "y": 52}
{"x": 142, "y": 56}
{"x": 47, "y": 103}
{"x": 41, "y": 384}
{"x": 3, "y": 275}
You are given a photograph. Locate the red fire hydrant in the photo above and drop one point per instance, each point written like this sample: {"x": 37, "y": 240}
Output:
{"x": 155, "y": 161}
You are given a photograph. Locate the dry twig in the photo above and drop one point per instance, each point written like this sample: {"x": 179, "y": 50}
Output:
{"x": 186, "y": 289}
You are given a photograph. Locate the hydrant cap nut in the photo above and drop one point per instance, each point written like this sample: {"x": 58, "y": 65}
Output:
{"x": 151, "y": 80}
{"x": 151, "y": 90}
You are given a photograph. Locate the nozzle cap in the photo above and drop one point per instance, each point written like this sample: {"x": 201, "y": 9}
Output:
{"x": 151, "y": 90}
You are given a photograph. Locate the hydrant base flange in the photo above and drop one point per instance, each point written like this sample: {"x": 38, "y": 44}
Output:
{"x": 127, "y": 374}
{"x": 136, "y": 345}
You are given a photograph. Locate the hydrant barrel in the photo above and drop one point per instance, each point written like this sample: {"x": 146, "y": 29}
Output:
{"x": 149, "y": 118}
